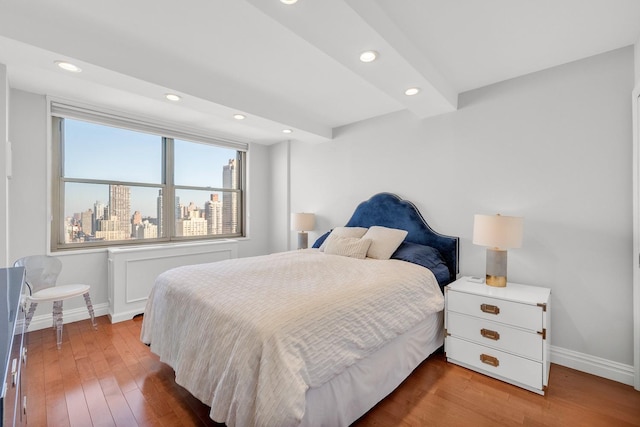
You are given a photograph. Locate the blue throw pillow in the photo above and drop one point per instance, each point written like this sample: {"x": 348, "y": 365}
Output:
{"x": 321, "y": 239}
{"x": 425, "y": 256}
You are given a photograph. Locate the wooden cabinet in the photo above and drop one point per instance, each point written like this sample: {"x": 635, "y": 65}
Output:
{"x": 13, "y": 353}
{"x": 500, "y": 332}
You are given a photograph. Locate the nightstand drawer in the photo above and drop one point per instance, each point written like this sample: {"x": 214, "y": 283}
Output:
{"x": 496, "y": 363}
{"x": 525, "y": 316}
{"x": 496, "y": 335}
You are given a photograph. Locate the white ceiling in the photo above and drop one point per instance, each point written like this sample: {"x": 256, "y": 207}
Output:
{"x": 295, "y": 66}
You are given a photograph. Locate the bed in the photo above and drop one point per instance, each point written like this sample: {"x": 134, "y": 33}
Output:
{"x": 312, "y": 337}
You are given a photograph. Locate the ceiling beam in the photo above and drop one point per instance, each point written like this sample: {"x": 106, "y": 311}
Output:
{"x": 371, "y": 12}
{"x": 343, "y": 30}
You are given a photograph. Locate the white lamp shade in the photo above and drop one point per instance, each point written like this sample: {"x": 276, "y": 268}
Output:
{"x": 497, "y": 231}
{"x": 303, "y": 221}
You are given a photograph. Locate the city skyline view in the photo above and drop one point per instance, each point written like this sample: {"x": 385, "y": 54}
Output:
{"x": 128, "y": 203}
{"x": 195, "y": 164}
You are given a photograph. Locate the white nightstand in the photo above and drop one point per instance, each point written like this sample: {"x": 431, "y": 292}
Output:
{"x": 500, "y": 332}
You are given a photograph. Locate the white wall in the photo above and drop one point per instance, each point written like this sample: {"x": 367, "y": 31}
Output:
{"x": 259, "y": 200}
{"x": 28, "y": 207}
{"x": 554, "y": 146}
{"x": 4, "y": 188}
{"x": 280, "y": 205}
{"x": 28, "y": 187}
{"x": 636, "y": 57}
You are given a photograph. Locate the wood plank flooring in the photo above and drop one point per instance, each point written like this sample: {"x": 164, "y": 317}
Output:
{"x": 108, "y": 378}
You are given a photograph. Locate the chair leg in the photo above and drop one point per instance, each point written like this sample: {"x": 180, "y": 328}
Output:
{"x": 57, "y": 318}
{"x": 29, "y": 316}
{"x": 87, "y": 300}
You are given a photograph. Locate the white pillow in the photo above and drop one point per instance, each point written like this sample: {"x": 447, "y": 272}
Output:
{"x": 344, "y": 232}
{"x": 347, "y": 246}
{"x": 384, "y": 241}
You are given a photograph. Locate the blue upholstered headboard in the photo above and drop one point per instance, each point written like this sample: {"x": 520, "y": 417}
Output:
{"x": 389, "y": 210}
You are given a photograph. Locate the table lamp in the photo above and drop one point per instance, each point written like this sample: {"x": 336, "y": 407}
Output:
{"x": 498, "y": 233}
{"x": 303, "y": 222}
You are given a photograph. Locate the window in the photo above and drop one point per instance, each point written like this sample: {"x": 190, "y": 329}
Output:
{"x": 119, "y": 181}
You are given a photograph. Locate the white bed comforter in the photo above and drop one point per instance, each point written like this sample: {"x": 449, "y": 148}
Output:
{"x": 249, "y": 336}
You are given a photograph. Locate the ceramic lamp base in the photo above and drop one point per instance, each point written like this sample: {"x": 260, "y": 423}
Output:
{"x": 496, "y": 268}
{"x": 303, "y": 240}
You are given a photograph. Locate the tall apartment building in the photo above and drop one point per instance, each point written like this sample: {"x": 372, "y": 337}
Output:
{"x": 120, "y": 208}
{"x": 229, "y": 199}
{"x": 99, "y": 213}
{"x": 213, "y": 214}
{"x": 178, "y": 209}
{"x": 86, "y": 220}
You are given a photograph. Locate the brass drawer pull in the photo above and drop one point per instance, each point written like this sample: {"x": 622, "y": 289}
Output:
{"x": 491, "y": 309}
{"x": 489, "y": 360}
{"x": 14, "y": 372}
{"x": 488, "y": 333}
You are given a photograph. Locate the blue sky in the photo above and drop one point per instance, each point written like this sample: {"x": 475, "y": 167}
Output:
{"x": 100, "y": 152}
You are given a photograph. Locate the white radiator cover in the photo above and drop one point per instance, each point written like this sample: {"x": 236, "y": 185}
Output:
{"x": 133, "y": 271}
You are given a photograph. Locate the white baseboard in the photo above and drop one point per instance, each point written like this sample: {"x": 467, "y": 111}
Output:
{"x": 125, "y": 315}
{"x": 46, "y": 320}
{"x": 592, "y": 365}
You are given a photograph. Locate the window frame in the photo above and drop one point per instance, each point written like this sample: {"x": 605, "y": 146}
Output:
{"x": 58, "y": 111}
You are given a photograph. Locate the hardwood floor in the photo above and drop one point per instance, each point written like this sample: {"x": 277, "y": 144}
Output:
{"x": 108, "y": 378}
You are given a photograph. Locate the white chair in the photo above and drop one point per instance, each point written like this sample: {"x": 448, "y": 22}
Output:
{"x": 41, "y": 273}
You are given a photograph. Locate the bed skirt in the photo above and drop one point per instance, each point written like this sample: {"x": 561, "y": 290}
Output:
{"x": 349, "y": 395}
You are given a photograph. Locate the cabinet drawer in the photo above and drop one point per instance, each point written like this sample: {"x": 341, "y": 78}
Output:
{"x": 525, "y": 316}
{"x": 496, "y": 335}
{"x": 509, "y": 367}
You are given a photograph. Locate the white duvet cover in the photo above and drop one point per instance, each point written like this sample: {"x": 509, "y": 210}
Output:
{"x": 249, "y": 336}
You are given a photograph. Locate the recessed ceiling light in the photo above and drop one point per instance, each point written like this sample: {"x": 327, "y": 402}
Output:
{"x": 68, "y": 66}
{"x": 239, "y": 116}
{"x": 368, "y": 56}
{"x": 286, "y": 130}
{"x": 412, "y": 91}
{"x": 288, "y": 1}
{"x": 172, "y": 97}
